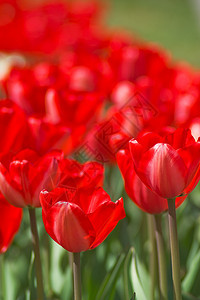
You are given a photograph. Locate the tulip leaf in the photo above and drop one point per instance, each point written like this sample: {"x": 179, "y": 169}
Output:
{"x": 126, "y": 268}
{"x": 111, "y": 278}
{"x": 31, "y": 278}
{"x": 58, "y": 281}
{"x": 192, "y": 274}
{"x": 135, "y": 277}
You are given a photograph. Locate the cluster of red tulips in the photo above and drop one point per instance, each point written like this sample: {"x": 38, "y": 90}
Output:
{"x": 73, "y": 90}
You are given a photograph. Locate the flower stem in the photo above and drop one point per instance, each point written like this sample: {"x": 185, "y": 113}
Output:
{"x": 161, "y": 257}
{"x": 153, "y": 256}
{"x": 77, "y": 276}
{"x": 38, "y": 266}
{"x": 2, "y": 278}
{"x": 174, "y": 249}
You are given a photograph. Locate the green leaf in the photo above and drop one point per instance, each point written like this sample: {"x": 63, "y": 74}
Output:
{"x": 135, "y": 278}
{"x": 192, "y": 273}
{"x": 126, "y": 271}
{"x": 111, "y": 278}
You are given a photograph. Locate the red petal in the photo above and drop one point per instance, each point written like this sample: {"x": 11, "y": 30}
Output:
{"x": 9, "y": 192}
{"x": 26, "y": 154}
{"x": 44, "y": 176}
{"x": 149, "y": 139}
{"x": 48, "y": 199}
{"x": 91, "y": 199}
{"x": 51, "y": 105}
{"x": 163, "y": 170}
{"x": 136, "y": 151}
{"x": 191, "y": 157}
{"x": 180, "y": 138}
{"x": 74, "y": 174}
{"x": 67, "y": 224}
{"x": 19, "y": 174}
{"x": 10, "y": 217}
{"x": 105, "y": 219}
{"x": 142, "y": 196}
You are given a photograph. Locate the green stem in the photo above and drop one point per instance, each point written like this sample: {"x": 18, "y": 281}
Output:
{"x": 77, "y": 276}
{"x": 38, "y": 266}
{"x": 174, "y": 249}
{"x": 161, "y": 257}
{"x": 2, "y": 278}
{"x": 153, "y": 256}
{"x": 47, "y": 263}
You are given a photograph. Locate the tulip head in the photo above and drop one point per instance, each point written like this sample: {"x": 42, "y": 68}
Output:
{"x": 168, "y": 165}
{"x": 23, "y": 176}
{"x": 77, "y": 219}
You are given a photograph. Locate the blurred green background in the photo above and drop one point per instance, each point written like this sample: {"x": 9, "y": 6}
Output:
{"x": 173, "y": 24}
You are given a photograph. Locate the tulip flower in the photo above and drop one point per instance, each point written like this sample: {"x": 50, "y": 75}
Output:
{"x": 79, "y": 220}
{"x": 151, "y": 203}
{"x": 138, "y": 192}
{"x": 25, "y": 175}
{"x": 10, "y": 217}
{"x": 167, "y": 165}
{"x": 22, "y": 177}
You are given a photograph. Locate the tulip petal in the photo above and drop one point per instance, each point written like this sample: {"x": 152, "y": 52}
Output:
{"x": 68, "y": 225}
{"x": 10, "y": 222}
{"x": 80, "y": 175}
{"x": 10, "y": 193}
{"x": 142, "y": 196}
{"x": 105, "y": 218}
{"x": 89, "y": 201}
{"x": 149, "y": 139}
{"x": 48, "y": 199}
{"x": 191, "y": 157}
{"x": 136, "y": 151}
{"x": 180, "y": 138}
{"x": 26, "y": 154}
{"x": 163, "y": 170}
{"x": 44, "y": 179}
{"x": 19, "y": 174}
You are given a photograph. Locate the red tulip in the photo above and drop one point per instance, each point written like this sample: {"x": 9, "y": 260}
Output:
{"x": 26, "y": 174}
{"x": 138, "y": 192}
{"x": 10, "y": 217}
{"x": 77, "y": 219}
{"x": 168, "y": 165}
